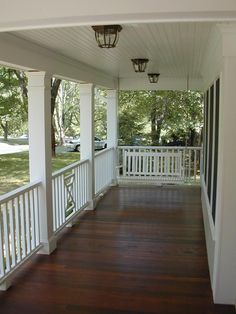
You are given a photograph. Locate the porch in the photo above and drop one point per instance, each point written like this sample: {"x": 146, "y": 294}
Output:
{"x": 193, "y": 47}
{"x": 142, "y": 251}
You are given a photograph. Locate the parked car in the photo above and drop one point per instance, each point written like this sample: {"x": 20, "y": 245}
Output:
{"x": 23, "y": 137}
{"x": 75, "y": 144}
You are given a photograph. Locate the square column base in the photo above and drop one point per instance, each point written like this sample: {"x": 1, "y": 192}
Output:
{"x": 92, "y": 205}
{"x": 6, "y": 284}
{"x": 49, "y": 246}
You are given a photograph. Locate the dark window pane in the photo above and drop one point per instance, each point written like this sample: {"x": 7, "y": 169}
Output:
{"x": 217, "y": 103}
{"x": 206, "y": 135}
{"x": 210, "y": 159}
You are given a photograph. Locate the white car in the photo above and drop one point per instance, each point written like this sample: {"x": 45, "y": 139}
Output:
{"x": 75, "y": 144}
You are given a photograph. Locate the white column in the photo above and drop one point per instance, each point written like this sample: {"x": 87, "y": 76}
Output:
{"x": 112, "y": 118}
{"x": 224, "y": 279}
{"x": 39, "y": 97}
{"x": 112, "y": 127}
{"x": 87, "y": 135}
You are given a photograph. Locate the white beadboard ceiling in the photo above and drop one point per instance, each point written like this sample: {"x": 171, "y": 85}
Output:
{"x": 174, "y": 49}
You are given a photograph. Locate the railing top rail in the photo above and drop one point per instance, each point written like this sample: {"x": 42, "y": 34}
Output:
{"x": 69, "y": 167}
{"x": 168, "y": 154}
{"x": 104, "y": 151}
{"x": 10, "y": 195}
{"x": 161, "y": 147}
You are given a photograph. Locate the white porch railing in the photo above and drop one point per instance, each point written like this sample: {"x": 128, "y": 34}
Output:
{"x": 19, "y": 227}
{"x": 104, "y": 169}
{"x": 70, "y": 192}
{"x": 19, "y": 210}
{"x": 163, "y": 164}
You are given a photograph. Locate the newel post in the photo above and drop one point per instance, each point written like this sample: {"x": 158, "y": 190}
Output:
{"x": 39, "y": 98}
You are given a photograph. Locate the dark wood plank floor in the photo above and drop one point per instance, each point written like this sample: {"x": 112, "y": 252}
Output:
{"x": 141, "y": 251}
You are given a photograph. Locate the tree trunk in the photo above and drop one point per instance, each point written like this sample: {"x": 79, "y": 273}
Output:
{"x": 156, "y": 133}
{"x": 54, "y": 90}
{"x": 23, "y": 86}
{"x": 5, "y": 130}
{"x": 59, "y": 116}
{"x": 23, "y": 82}
{"x": 192, "y": 139}
{"x": 62, "y": 136}
{"x": 155, "y": 130}
{"x": 53, "y": 139}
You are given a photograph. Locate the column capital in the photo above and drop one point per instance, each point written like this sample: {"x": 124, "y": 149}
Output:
{"x": 86, "y": 88}
{"x": 112, "y": 93}
{"x": 38, "y": 78}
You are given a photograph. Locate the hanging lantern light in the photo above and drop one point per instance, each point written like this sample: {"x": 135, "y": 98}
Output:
{"x": 139, "y": 64}
{"x": 153, "y": 77}
{"x": 107, "y": 35}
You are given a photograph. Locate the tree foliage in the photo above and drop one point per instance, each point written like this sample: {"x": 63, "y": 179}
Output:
{"x": 145, "y": 117}
{"x": 100, "y": 114}
{"x": 160, "y": 117}
{"x": 55, "y": 84}
{"x": 13, "y": 110}
{"x": 67, "y": 112}
{"x": 66, "y": 115}
{"x": 132, "y": 118}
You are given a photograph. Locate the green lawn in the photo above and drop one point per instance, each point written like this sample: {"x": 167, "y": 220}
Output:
{"x": 14, "y": 168}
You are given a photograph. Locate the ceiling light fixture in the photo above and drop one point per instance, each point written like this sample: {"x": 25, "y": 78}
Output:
{"x": 153, "y": 77}
{"x": 139, "y": 64}
{"x": 107, "y": 35}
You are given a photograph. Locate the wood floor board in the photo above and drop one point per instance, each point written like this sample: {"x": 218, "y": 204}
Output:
{"x": 142, "y": 251}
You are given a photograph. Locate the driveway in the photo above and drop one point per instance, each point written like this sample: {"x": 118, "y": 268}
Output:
{"x": 6, "y": 148}
{"x": 13, "y": 147}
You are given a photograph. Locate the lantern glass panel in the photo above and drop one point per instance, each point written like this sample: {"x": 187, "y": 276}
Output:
{"x": 107, "y": 35}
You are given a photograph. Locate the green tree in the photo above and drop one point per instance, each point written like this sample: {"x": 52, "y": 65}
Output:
{"x": 100, "y": 114}
{"x": 72, "y": 112}
{"x": 186, "y": 121}
{"x": 161, "y": 116}
{"x": 66, "y": 115}
{"x": 14, "y": 101}
{"x": 132, "y": 119}
{"x": 55, "y": 84}
{"x": 10, "y": 102}
{"x": 67, "y": 111}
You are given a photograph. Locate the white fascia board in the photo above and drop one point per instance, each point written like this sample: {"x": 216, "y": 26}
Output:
{"x": 228, "y": 34}
{"x": 222, "y": 43}
{"x": 212, "y": 62}
{"x": 22, "y": 54}
{"x": 28, "y": 14}
{"x": 164, "y": 83}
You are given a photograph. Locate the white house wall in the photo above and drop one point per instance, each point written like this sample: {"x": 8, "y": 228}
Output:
{"x": 211, "y": 70}
{"x": 212, "y": 64}
{"x": 221, "y": 235}
{"x": 224, "y": 285}
{"x": 209, "y": 230}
